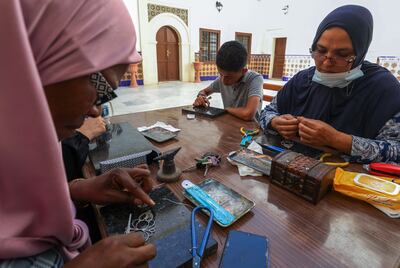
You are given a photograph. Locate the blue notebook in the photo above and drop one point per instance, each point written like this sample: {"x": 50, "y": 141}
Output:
{"x": 245, "y": 250}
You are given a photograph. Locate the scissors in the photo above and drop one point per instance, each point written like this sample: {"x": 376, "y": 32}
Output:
{"x": 197, "y": 254}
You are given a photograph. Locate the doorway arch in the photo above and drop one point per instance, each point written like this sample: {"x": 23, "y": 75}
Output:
{"x": 149, "y": 47}
{"x": 167, "y": 54}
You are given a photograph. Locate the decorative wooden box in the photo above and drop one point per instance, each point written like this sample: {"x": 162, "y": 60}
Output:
{"x": 305, "y": 176}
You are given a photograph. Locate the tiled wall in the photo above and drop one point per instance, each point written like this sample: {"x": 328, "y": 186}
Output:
{"x": 208, "y": 71}
{"x": 294, "y": 64}
{"x": 392, "y": 63}
{"x": 126, "y": 79}
{"x": 261, "y": 62}
{"x": 154, "y": 10}
{"x": 258, "y": 63}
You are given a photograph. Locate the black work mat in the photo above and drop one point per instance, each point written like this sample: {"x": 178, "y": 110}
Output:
{"x": 206, "y": 111}
{"x": 159, "y": 134}
{"x": 172, "y": 228}
{"x": 125, "y": 141}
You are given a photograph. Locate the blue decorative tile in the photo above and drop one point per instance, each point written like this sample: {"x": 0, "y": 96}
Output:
{"x": 127, "y": 83}
{"x": 207, "y": 78}
{"x": 124, "y": 83}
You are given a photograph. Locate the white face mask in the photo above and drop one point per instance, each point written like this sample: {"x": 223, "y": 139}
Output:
{"x": 339, "y": 80}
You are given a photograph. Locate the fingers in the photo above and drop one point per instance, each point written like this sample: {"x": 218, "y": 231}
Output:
{"x": 118, "y": 196}
{"x": 307, "y": 134}
{"x": 102, "y": 121}
{"x": 288, "y": 120}
{"x": 137, "y": 202}
{"x": 288, "y": 134}
{"x": 288, "y": 131}
{"x": 288, "y": 116}
{"x": 134, "y": 188}
{"x": 207, "y": 101}
{"x": 305, "y": 138}
{"x": 200, "y": 101}
{"x": 131, "y": 239}
{"x": 284, "y": 120}
{"x": 288, "y": 127}
{"x": 142, "y": 166}
{"x": 306, "y": 130}
{"x": 124, "y": 178}
{"x": 143, "y": 254}
{"x": 311, "y": 123}
{"x": 142, "y": 177}
{"x": 140, "y": 252}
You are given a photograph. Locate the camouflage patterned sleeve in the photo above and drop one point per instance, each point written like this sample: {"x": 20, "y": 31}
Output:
{"x": 384, "y": 148}
{"x": 269, "y": 112}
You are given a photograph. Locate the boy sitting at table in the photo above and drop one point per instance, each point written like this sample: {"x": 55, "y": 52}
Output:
{"x": 241, "y": 89}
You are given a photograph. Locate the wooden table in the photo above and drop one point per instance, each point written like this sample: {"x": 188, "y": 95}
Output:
{"x": 338, "y": 232}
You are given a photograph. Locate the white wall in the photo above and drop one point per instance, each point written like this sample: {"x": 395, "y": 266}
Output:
{"x": 304, "y": 17}
{"x": 265, "y": 20}
{"x": 132, "y": 6}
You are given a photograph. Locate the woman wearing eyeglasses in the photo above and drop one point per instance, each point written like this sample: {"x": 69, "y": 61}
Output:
{"x": 344, "y": 102}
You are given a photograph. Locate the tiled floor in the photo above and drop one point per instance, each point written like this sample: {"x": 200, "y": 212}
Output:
{"x": 161, "y": 96}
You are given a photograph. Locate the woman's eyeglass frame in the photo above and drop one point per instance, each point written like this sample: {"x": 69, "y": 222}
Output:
{"x": 337, "y": 60}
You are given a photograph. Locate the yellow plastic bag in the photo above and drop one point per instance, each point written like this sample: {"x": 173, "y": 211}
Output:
{"x": 344, "y": 183}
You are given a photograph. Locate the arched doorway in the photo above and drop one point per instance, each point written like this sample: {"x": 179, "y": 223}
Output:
{"x": 167, "y": 54}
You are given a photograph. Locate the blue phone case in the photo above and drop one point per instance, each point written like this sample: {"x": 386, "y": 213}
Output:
{"x": 245, "y": 250}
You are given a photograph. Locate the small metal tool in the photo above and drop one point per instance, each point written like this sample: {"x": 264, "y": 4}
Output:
{"x": 128, "y": 227}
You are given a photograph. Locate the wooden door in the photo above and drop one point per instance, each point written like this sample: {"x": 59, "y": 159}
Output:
{"x": 167, "y": 54}
{"x": 279, "y": 57}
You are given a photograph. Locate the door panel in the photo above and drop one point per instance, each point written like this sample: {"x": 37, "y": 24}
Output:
{"x": 279, "y": 57}
{"x": 167, "y": 54}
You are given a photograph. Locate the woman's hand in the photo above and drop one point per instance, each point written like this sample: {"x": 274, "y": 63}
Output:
{"x": 286, "y": 125}
{"x": 120, "y": 185}
{"x": 116, "y": 251}
{"x": 93, "y": 127}
{"x": 318, "y": 133}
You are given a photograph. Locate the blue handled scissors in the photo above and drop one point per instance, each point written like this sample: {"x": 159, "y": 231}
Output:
{"x": 198, "y": 254}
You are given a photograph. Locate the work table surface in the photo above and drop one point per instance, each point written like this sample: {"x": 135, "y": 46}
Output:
{"x": 337, "y": 232}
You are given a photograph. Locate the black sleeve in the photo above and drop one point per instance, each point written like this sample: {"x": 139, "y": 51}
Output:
{"x": 75, "y": 151}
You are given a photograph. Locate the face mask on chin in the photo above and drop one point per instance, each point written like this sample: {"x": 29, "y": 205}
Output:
{"x": 339, "y": 80}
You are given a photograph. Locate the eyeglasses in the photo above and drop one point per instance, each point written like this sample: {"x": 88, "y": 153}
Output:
{"x": 337, "y": 60}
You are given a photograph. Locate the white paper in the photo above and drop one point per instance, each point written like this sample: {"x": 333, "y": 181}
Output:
{"x": 159, "y": 124}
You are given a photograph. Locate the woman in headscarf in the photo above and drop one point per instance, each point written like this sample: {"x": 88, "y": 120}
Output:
{"x": 62, "y": 52}
{"x": 344, "y": 102}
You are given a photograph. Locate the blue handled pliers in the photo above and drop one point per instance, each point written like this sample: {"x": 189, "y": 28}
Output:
{"x": 198, "y": 254}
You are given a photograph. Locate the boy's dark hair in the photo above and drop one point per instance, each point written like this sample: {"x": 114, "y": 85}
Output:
{"x": 232, "y": 56}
